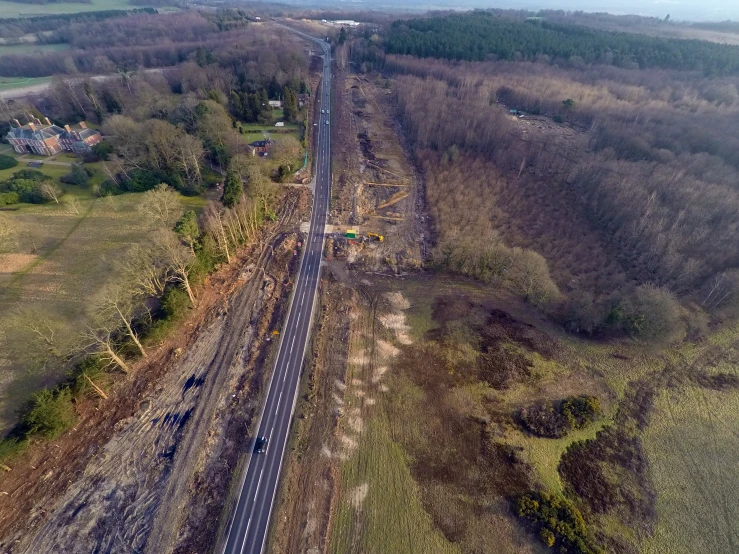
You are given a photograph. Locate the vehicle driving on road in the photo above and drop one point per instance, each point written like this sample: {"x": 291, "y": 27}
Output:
{"x": 261, "y": 445}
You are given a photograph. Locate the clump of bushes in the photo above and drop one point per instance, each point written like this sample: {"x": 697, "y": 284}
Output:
{"x": 26, "y": 185}
{"x": 51, "y": 413}
{"x": 78, "y": 176}
{"x": 650, "y": 312}
{"x": 610, "y": 473}
{"x": 6, "y": 162}
{"x": 556, "y": 419}
{"x": 560, "y": 524}
{"x": 522, "y": 271}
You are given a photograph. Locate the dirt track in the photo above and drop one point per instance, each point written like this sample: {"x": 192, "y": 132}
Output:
{"x": 136, "y": 485}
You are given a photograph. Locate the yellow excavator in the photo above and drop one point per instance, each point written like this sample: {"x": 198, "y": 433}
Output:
{"x": 375, "y": 236}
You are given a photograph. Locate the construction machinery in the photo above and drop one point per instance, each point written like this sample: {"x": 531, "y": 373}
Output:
{"x": 375, "y": 236}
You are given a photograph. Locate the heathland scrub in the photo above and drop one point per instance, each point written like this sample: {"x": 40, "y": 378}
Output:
{"x": 425, "y": 440}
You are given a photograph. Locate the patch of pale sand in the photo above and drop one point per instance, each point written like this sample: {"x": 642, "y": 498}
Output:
{"x": 369, "y": 401}
{"x": 395, "y": 321}
{"x": 355, "y": 411}
{"x": 380, "y": 371}
{"x": 359, "y": 393}
{"x": 384, "y": 388}
{"x": 358, "y": 358}
{"x": 397, "y": 300}
{"x": 325, "y": 451}
{"x": 358, "y": 494}
{"x": 12, "y": 263}
{"x": 347, "y": 442}
{"x": 339, "y": 384}
{"x": 357, "y": 382}
{"x": 355, "y": 423}
{"x": 386, "y": 349}
{"x": 338, "y": 399}
{"x": 403, "y": 338}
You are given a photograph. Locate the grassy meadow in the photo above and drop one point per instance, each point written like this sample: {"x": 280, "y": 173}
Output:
{"x": 9, "y": 83}
{"x": 21, "y": 9}
{"x": 693, "y": 448}
{"x": 32, "y": 49}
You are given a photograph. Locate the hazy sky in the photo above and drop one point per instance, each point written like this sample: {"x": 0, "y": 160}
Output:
{"x": 678, "y": 9}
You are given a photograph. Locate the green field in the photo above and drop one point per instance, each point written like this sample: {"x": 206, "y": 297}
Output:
{"x": 20, "y": 9}
{"x": 693, "y": 448}
{"x": 7, "y": 83}
{"x": 32, "y": 48}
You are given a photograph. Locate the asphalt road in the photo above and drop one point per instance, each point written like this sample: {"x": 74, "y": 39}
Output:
{"x": 247, "y": 531}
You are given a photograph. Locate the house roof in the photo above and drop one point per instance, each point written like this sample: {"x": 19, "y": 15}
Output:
{"x": 40, "y": 133}
{"x": 43, "y": 132}
{"x": 85, "y": 133}
{"x": 261, "y": 143}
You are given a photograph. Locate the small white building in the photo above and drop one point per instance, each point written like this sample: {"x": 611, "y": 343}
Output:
{"x": 280, "y": 124}
{"x": 275, "y": 103}
{"x": 347, "y": 22}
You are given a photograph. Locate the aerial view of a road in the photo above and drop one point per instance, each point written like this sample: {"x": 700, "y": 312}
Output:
{"x": 248, "y": 529}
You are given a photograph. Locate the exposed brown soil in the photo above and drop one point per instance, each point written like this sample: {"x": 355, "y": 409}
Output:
{"x": 378, "y": 186}
{"x": 100, "y": 486}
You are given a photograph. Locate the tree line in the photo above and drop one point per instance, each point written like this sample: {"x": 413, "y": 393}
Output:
{"x": 39, "y": 24}
{"x": 143, "y": 38}
{"x": 481, "y": 35}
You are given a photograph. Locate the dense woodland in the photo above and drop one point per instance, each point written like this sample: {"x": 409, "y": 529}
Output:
{"x": 625, "y": 180}
{"x": 481, "y": 35}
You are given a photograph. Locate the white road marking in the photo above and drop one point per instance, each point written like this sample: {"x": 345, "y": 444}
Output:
{"x": 256, "y": 492}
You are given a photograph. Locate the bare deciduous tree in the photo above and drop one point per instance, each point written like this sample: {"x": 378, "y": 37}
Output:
{"x": 178, "y": 258}
{"x": 100, "y": 340}
{"x": 146, "y": 268}
{"x": 161, "y": 206}
{"x": 215, "y": 225}
{"x": 120, "y": 306}
{"x": 50, "y": 191}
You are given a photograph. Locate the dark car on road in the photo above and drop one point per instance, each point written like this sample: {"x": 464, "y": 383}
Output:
{"x": 261, "y": 445}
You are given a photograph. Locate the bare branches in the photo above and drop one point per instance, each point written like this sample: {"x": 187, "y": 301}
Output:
{"x": 161, "y": 206}
{"x": 100, "y": 341}
{"x": 144, "y": 267}
{"x": 50, "y": 191}
{"x": 178, "y": 258}
{"x": 118, "y": 306}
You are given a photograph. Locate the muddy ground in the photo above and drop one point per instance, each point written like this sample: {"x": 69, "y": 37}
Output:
{"x": 154, "y": 460}
{"x": 377, "y": 188}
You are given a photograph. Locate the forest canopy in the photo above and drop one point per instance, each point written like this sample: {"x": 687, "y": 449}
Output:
{"x": 481, "y": 35}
